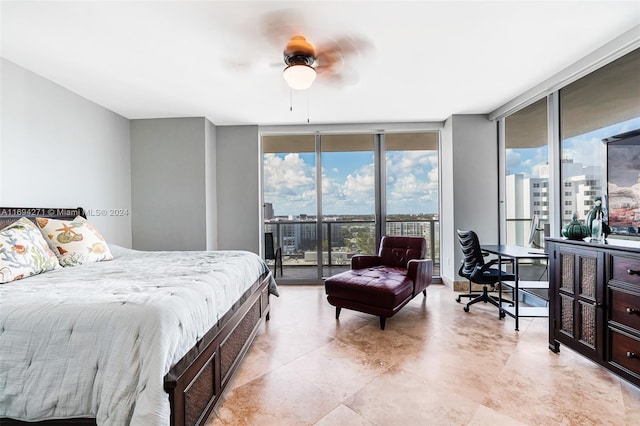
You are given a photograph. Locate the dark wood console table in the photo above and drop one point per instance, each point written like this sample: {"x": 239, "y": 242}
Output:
{"x": 594, "y": 305}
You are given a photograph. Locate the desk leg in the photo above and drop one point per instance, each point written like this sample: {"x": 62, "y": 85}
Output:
{"x": 516, "y": 295}
{"x": 500, "y": 313}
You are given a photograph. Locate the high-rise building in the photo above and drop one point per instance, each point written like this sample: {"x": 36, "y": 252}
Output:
{"x": 529, "y": 196}
{"x": 268, "y": 211}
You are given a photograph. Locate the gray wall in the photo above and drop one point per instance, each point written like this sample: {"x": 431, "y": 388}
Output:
{"x": 58, "y": 149}
{"x": 169, "y": 182}
{"x": 469, "y": 186}
{"x": 237, "y": 170}
{"x": 211, "y": 184}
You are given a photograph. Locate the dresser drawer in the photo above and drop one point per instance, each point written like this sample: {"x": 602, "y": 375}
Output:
{"x": 625, "y": 308}
{"x": 625, "y": 352}
{"x": 626, "y": 269}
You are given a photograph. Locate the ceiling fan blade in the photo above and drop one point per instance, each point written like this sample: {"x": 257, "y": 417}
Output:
{"x": 279, "y": 26}
{"x": 335, "y": 59}
{"x": 344, "y": 77}
{"x": 346, "y": 46}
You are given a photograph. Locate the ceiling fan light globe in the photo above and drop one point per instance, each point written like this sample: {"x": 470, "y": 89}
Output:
{"x": 299, "y": 77}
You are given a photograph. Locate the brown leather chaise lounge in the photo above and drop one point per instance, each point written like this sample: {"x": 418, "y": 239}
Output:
{"x": 381, "y": 285}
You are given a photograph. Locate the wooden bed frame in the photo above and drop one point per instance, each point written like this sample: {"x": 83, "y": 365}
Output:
{"x": 197, "y": 381}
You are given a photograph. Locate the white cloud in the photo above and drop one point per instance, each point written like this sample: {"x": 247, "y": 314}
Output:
{"x": 526, "y": 161}
{"x": 289, "y": 183}
{"x": 513, "y": 159}
{"x": 353, "y": 195}
{"x": 412, "y": 182}
{"x": 412, "y": 185}
{"x": 584, "y": 150}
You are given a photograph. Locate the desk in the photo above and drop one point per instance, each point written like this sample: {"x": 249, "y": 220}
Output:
{"x": 516, "y": 254}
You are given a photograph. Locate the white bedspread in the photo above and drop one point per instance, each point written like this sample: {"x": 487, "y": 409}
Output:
{"x": 97, "y": 340}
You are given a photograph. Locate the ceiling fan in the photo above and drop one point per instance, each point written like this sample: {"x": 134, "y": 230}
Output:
{"x": 332, "y": 60}
{"x": 304, "y": 62}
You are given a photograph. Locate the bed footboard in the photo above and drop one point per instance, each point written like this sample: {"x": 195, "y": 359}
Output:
{"x": 196, "y": 383}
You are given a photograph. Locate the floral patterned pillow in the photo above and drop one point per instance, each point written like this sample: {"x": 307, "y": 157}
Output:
{"x": 74, "y": 241}
{"x": 23, "y": 252}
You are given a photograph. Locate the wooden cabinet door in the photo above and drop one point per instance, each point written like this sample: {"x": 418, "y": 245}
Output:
{"x": 578, "y": 293}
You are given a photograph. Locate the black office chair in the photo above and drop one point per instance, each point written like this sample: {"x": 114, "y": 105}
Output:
{"x": 475, "y": 270}
{"x": 272, "y": 253}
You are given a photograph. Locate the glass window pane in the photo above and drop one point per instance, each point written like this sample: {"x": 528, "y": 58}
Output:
{"x": 289, "y": 166}
{"x": 527, "y": 175}
{"x": 600, "y": 105}
{"x": 412, "y": 188}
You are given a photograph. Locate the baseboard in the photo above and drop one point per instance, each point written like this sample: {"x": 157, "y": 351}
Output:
{"x": 448, "y": 282}
{"x": 463, "y": 286}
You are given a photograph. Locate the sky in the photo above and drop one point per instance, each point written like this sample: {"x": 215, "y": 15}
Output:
{"x": 348, "y": 183}
{"x": 585, "y": 149}
{"x": 412, "y": 176}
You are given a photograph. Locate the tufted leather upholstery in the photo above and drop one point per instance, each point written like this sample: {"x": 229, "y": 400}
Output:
{"x": 397, "y": 251}
{"x": 382, "y": 284}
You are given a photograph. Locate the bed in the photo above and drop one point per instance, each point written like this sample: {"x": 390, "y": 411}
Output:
{"x": 146, "y": 338}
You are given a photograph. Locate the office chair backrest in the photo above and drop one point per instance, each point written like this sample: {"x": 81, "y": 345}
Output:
{"x": 472, "y": 254}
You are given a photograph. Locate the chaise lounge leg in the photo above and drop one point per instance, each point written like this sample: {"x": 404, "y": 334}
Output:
{"x": 338, "y": 312}
{"x": 383, "y": 320}
{"x": 424, "y": 292}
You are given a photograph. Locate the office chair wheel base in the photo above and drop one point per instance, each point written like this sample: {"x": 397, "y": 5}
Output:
{"x": 458, "y": 299}
{"x": 465, "y": 308}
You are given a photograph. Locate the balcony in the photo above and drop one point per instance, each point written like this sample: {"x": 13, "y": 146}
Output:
{"x": 341, "y": 239}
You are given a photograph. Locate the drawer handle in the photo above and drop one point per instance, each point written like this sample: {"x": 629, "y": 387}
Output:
{"x": 632, "y": 355}
{"x": 631, "y": 311}
{"x": 633, "y": 272}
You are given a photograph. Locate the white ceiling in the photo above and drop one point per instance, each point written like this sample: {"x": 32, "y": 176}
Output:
{"x": 430, "y": 59}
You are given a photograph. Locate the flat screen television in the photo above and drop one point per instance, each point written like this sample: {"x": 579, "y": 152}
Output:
{"x": 621, "y": 203}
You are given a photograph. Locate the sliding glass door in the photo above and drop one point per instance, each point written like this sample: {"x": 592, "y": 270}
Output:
{"x": 328, "y": 197}
{"x": 348, "y": 199}
{"x": 290, "y": 199}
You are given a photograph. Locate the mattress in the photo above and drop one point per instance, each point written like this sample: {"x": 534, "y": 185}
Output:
{"x": 96, "y": 340}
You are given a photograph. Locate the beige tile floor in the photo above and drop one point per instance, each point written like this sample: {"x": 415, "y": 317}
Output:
{"x": 433, "y": 365}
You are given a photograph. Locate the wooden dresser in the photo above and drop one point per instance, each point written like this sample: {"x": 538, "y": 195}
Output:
{"x": 594, "y": 302}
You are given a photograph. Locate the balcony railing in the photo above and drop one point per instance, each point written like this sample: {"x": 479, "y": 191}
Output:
{"x": 341, "y": 239}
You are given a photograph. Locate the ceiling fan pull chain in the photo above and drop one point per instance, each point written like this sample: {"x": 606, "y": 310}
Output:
{"x": 290, "y": 99}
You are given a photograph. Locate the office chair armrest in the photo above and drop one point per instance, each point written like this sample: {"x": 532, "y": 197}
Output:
{"x": 481, "y": 269}
{"x": 362, "y": 261}
{"x": 502, "y": 261}
{"x": 490, "y": 264}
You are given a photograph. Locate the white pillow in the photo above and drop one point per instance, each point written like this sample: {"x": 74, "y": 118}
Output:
{"x": 24, "y": 252}
{"x": 74, "y": 241}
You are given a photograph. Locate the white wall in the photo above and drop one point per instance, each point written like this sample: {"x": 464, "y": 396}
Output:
{"x": 469, "y": 186}
{"x": 237, "y": 167}
{"x": 168, "y": 183}
{"x": 61, "y": 150}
